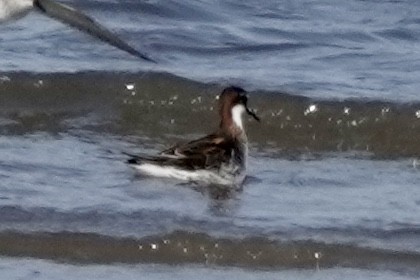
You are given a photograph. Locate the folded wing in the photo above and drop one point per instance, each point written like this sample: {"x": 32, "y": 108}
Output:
{"x": 205, "y": 153}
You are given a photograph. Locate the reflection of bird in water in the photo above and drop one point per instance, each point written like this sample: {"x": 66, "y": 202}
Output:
{"x": 15, "y": 9}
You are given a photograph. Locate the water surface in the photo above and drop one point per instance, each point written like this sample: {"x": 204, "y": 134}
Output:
{"x": 333, "y": 172}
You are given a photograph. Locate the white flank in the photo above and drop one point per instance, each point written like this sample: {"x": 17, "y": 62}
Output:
{"x": 205, "y": 176}
{"x": 237, "y": 112}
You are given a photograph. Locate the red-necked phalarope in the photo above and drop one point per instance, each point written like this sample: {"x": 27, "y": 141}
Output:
{"x": 217, "y": 159}
{"x": 14, "y": 9}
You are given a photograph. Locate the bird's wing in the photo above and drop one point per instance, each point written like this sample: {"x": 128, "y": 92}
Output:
{"x": 205, "y": 153}
{"x": 86, "y": 24}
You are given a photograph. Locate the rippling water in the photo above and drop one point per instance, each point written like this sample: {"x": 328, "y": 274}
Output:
{"x": 333, "y": 182}
{"x": 316, "y": 48}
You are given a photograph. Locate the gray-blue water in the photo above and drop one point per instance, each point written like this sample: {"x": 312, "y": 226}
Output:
{"x": 333, "y": 187}
{"x": 321, "y": 48}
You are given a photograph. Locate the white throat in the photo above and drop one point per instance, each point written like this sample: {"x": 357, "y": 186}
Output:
{"x": 237, "y": 112}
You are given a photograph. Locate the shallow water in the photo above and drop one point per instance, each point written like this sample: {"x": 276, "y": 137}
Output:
{"x": 332, "y": 189}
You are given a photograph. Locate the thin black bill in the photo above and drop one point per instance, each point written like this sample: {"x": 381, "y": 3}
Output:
{"x": 252, "y": 113}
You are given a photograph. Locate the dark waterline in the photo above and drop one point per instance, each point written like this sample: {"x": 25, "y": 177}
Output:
{"x": 187, "y": 248}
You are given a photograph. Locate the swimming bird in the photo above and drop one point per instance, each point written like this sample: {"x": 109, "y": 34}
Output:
{"x": 15, "y": 9}
{"x": 216, "y": 159}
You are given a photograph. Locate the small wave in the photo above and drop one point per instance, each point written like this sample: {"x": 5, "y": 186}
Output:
{"x": 155, "y": 104}
{"x": 187, "y": 248}
{"x": 387, "y": 236}
{"x": 399, "y": 34}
